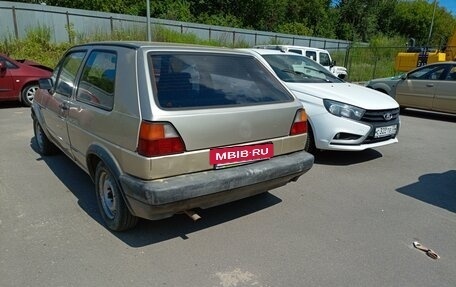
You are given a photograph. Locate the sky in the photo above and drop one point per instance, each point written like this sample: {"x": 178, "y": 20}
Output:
{"x": 450, "y": 5}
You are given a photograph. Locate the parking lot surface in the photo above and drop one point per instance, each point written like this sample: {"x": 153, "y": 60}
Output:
{"x": 350, "y": 221}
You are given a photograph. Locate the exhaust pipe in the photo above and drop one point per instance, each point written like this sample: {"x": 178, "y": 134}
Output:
{"x": 193, "y": 215}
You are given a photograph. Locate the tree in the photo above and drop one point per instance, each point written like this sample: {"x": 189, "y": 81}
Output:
{"x": 413, "y": 19}
{"x": 172, "y": 10}
{"x": 131, "y": 7}
{"x": 359, "y": 19}
{"x": 317, "y": 15}
{"x": 356, "y": 20}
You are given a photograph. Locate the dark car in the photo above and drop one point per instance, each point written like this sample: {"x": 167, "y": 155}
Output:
{"x": 19, "y": 79}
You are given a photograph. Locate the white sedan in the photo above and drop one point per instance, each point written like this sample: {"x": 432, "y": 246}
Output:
{"x": 342, "y": 116}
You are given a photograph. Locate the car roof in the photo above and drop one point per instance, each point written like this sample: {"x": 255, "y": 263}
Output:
{"x": 437, "y": 64}
{"x": 268, "y": 52}
{"x": 290, "y": 47}
{"x": 167, "y": 45}
{"x": 433, "y": 64}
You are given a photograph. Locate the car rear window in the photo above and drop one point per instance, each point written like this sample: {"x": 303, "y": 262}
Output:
{"x": 195, "y": 80}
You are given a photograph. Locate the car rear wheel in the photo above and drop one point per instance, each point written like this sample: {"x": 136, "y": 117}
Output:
{"x": 112, "y": 206}
{"x": 28, "y": 93}
{"x": 45, "y": 146}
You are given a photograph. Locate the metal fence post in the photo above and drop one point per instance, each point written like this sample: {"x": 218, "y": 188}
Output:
{"x": 16, "y": 32}
{"x": 347, "y": 55}
{"x": 209, "y": 34}
{"x": 112, "y": 25}
{"x": 375, "y": 68}
{"x": 234, "y": 38}
{"x": 70, "y": 38}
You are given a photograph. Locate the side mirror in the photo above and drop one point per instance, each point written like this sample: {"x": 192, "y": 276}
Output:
{"x": 2, "y": 66}
{"x": 403, "y": 76}
{"x": 333, "y": 63}
{"x": 45, "y": 84}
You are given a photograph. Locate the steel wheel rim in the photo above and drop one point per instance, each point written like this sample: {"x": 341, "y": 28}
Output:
{"x": 30, "y": 93}
{"x": 107, "y": 196}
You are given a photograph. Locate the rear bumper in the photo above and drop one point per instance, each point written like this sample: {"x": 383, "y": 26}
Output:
{"x": 164, "y": 197}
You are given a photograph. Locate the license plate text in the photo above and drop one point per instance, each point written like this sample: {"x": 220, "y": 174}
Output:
{"x": 238, "y": 154}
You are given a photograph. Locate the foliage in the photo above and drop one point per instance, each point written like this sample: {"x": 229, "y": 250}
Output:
{"x": 375, "y": 60}
{"x": 354, "y": 20}
{"x": 294, "y": 28}
{"x": 35, "y": 46}
{"x": 220, "y": 19}
{"x": 172, "y": 10}
{"x": 384, "y": 24}
{"x": 161, "y": 34}
{"x": 413, "y": 19}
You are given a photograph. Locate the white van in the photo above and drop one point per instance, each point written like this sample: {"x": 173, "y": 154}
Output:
{"x": 320, "y": 56}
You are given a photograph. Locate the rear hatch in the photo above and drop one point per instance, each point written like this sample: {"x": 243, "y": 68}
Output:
{"x": 219, "y": 99}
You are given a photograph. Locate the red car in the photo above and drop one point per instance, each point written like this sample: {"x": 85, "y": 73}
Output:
{"x": 19, "y": 79}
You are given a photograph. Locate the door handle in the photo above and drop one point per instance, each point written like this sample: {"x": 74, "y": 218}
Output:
{"x": 429, "y": 85}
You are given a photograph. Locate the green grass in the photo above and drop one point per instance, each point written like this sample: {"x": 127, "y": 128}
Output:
{"x": 363, "y": 63}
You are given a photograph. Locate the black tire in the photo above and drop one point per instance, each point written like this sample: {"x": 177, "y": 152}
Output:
{"x": 45, "y": 146}
{"x": 310, "y": 143}
{"x": 28, "y": 94}
{"x": 110, "y": 201}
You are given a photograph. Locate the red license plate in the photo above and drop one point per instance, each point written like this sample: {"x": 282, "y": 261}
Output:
{"x": 238, "y": 154}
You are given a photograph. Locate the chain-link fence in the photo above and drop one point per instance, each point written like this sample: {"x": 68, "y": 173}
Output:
{"x": 365, "y": 63}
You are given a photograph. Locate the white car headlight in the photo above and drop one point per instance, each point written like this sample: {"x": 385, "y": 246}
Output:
{"x": 343, "y": 110}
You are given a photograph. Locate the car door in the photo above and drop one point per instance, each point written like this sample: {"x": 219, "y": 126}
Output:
{"x": 417, "y": 90}
{"x": 56, "y": 110}
{"x": 90, "y": 112}
{"x": 445, "y": 92}
{"x": 6, "y": 81}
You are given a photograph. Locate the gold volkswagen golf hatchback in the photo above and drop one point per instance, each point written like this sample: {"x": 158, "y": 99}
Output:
{"x": 165, "y": 128}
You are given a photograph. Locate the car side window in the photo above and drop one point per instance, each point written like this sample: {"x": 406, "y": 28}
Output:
{"x": 67, "y": 74}
{"x": 312, "y": 55}
{"x": 295, "y": 51}
{"x": 325, "y": 59}
{"x": 451, "y": 74}
{"x": 9, "y": 65}
{"x": 97, "y": 83}
{"x": 437, "y": 74}
{"x": 428, "y": 73}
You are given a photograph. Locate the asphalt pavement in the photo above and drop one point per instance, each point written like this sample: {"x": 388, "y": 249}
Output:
{"x": 350, "y": 221}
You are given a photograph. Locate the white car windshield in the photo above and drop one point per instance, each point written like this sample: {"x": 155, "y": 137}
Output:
{"x": 299, "y": 69}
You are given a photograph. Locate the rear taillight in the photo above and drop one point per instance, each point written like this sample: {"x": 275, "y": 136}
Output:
{"x": 156, "y": 139}
{"x": 300, "y": 123}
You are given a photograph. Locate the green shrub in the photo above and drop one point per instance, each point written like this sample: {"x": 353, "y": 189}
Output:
{"x": 363, "y": 62}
